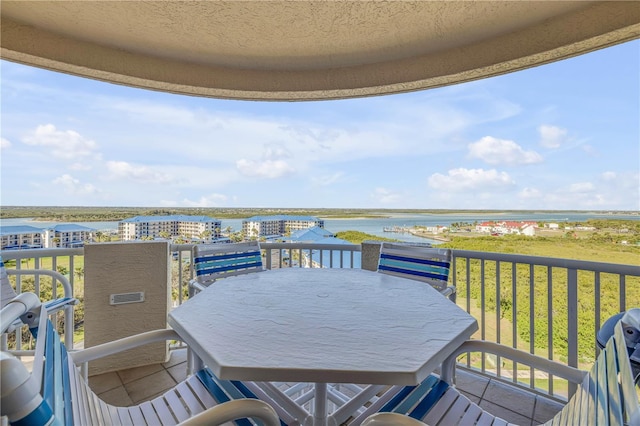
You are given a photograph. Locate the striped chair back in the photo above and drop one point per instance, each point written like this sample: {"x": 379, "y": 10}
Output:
{"x": 426, "y": 264}
{"x": 215, "y": 261}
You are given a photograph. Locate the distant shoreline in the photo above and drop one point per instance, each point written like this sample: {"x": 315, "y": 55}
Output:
{"x": 37, "y": 215}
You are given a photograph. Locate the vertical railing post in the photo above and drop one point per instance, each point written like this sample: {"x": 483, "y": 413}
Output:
{"x": 550, "y": 321}
{"x": 514, "y": 315}
{"x": 623, "y": 294}
{"x": 572, "y": 323}
{"x": 69, "y": 322}
{"x": 267, "y": 259}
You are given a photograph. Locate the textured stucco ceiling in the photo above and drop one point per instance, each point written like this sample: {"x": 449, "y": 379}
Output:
{"x": 297, "y": 50}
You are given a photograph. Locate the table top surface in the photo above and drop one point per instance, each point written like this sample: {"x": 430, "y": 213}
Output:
{"x": 322, "y": 325}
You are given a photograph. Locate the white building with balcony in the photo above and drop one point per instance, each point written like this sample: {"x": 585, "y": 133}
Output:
{"x": 193, "y": 228}
{"x": 279, "y": 225}
{"x": 67, "y": 236}
{"x": 20, "y": 237}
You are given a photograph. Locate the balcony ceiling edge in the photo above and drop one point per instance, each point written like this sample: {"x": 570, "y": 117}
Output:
{"x": 579, "y": 29}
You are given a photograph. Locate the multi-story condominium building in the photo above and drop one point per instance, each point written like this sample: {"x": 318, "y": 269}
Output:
{"x": 270, "y": 226}
{"x": 20, "y": 237}
{"x": 202, "y": 228}
{"x": 60, "y": 236}
{"x": 67, "y": 236}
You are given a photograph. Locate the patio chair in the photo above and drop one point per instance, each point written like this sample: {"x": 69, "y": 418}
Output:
{"x": 606, "y": 395}
{"x": 426, "y": 264}
{"x": 214, "y": 261}
{"x": 55, "y": 393}
{"x": 66, "y": 302}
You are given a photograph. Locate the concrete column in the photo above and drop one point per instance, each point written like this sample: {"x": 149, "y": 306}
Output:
{"x": 370, "y": 254}
{"x": 125, "y": 269}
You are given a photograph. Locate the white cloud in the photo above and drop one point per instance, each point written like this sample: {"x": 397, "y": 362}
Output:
{"x": 386, "y": 196}
{"x": 150, "y": 112}
{"x": 327, "y": 180}
{"x": 272, "y": 165}
{"x": 268, "y": 169}
{"x": 609, "y": 176}
{"x": 74, "y": 186}
{"x": 552, "y": 136}
{"x": 4, "y": 143}
{"x": 530, "y": 194}
{"x": 581, "y": 187}
{"x": 136, "y": 173}
{"x": 80, "y": 167}
{"x": 421, "y": 126}
{"x": 500, "y": 151}
{"x": 211, "y": 200}
{"x": 65, "y": 145}
{"x": 276, "y": 152}
{"x": 461, "y": 180}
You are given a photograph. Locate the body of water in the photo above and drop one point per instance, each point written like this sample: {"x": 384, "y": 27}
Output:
{"x": 375, "y": 226}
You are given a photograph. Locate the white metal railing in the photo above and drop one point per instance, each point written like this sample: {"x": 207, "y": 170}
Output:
{"x": 540, "y": 303}
{"x": 311, "y": 255}
{"x": 25, "y": 264}
{"x": 543, "y": 305}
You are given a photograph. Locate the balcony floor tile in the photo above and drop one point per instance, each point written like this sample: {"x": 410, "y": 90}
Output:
{"x": 117, "y": 396}
{"x": 136, "y": 385}
{"x": 132, "y": 374}
{"x": 473, "y": 384}
{"x": 510, "y": 398}
{"x": 103, "y": 382}
{"x": 149, "y": 386}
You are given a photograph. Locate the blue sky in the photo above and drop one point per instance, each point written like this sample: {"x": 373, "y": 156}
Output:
{"x": 562, "y": 136}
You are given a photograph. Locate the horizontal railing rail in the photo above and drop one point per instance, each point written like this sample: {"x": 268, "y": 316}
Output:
{"x": 547, "y": 306}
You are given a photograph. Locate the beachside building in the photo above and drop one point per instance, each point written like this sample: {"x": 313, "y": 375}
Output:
{"x": 193, "y": 228}
{"x": 277, "y": 226}
{"x": 508, "y": 227}
{"x": 67, "y": 236}
{"x": 60, "y": 236}
{"x": 20, "y": 237}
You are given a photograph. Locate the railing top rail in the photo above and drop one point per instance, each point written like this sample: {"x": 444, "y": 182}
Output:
{"x": 44, "y": 252}
{"x": 586, "y": 265}
{"x": 311, "y": 245}
{"x": 180, "y": 247}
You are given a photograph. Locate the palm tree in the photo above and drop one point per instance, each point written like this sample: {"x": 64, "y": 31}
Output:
{"x": 79, "y": 272}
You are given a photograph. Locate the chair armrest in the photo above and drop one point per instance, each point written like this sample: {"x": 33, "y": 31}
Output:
{"x": 57, "y": 304}
{"x": 391, "y": 419}
{"x": 68, "y": 292}
{"x": 20, "y": 305}
{"x": 110, "y": 348}
{"x": 571, "y": 374}
{"x": 196, "y": 285}
{"x": 233, "y": 410}
{"x": 448, "y": 291}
